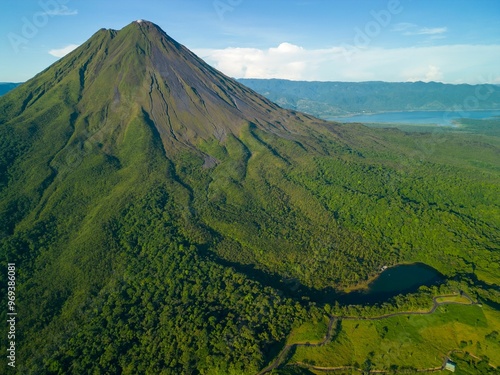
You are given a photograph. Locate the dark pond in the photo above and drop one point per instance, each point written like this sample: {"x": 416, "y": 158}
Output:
{"x": 401, "y": 279}
{"x": 405, "y": 278}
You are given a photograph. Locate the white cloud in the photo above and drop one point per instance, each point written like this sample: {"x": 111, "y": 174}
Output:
{"x": 432, "y": 30}
{"x": 61, "y": 52}
{"x": 426, "y": 74}
{"x": 286, "y": 60}
{"x": 411, "y": 29}
{"x": 445, "y": 63}
{"x": 63, "y": 10}
{"x": 286, "y": 48}
{"x": 434, "y": 74}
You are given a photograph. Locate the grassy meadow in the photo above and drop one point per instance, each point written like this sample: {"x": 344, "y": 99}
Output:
{"x": 410, "y": 341}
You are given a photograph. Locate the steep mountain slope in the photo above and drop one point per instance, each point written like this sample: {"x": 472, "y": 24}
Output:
{"x": 165, "y": 219}
{"x": 142, "y": 69}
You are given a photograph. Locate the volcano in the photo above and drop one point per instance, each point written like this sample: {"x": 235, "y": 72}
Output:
{"x": 165, "y": 219}
{"x": 141, "y": 73}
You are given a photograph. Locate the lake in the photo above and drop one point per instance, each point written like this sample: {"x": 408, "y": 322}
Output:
{"x": 441, "y": 118}
{"x": 404, "y": 277}
{"x": 400, "y": 279}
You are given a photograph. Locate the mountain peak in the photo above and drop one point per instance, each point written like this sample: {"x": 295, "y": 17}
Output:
{"x": 149, "y": 75}
{"x": 145, "y": 24}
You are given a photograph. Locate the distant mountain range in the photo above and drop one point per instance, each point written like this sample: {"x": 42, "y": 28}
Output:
{"x": 5, "y": 87}
{"x": 326, "y": 99}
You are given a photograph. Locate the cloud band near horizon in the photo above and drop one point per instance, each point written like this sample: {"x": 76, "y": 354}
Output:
{"x": 446, "y": 63}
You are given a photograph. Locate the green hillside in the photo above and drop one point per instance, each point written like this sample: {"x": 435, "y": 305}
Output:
{"x": 162, "y": 217}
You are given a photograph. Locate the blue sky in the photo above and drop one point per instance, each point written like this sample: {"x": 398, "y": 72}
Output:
{"x": 453, "y": 41}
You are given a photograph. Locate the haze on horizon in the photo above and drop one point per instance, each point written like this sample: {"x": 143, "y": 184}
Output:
{"x": 383, "y": 40}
